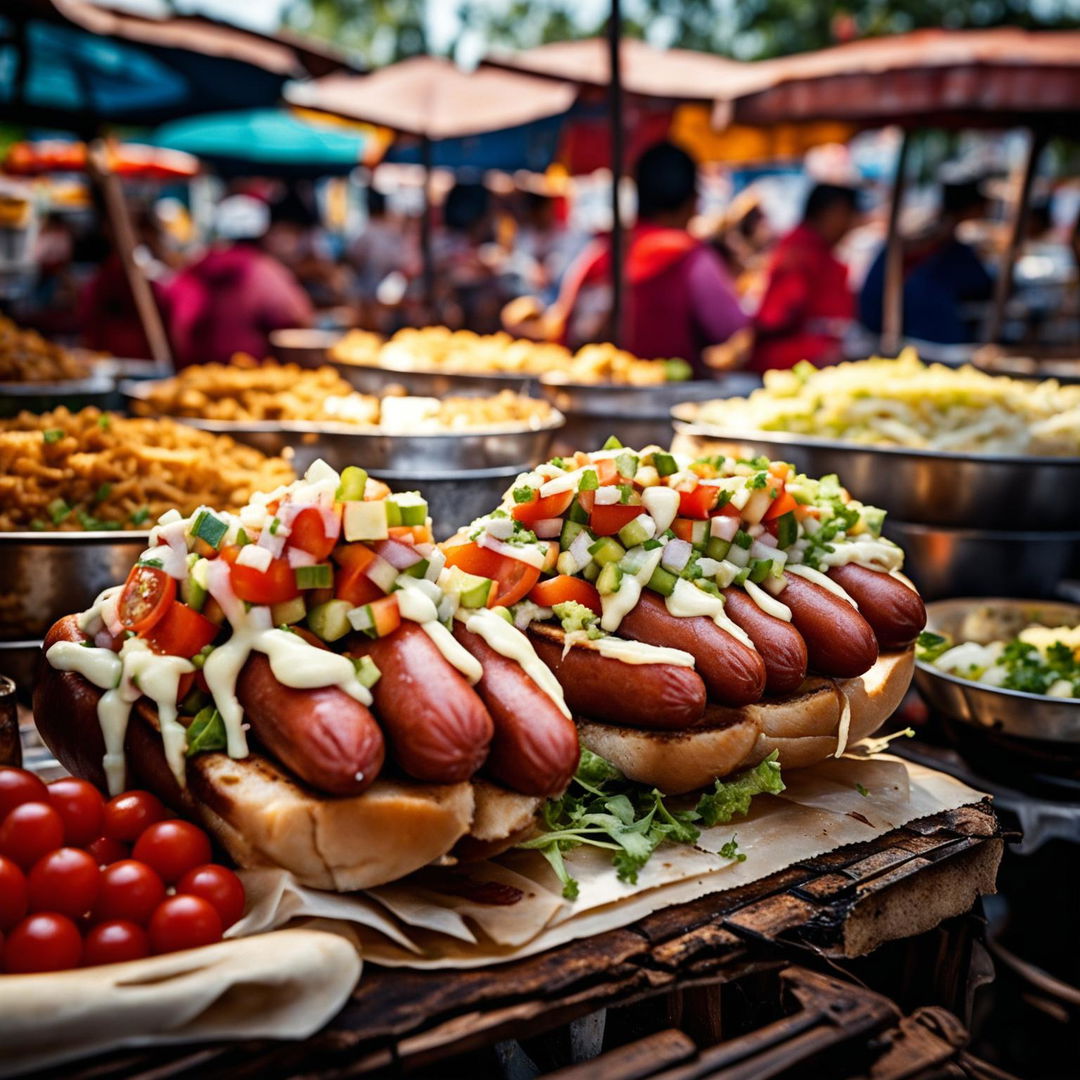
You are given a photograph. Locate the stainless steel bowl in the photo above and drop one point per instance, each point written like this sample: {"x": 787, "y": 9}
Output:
{"x": 18, "y": 660}
{"x": 377, "y": 379}
{"x": 44, "y": 576}
{"x": 1009, "y": 712}
{"x": 308, "y": 348}
{"x": 73, "y": 394}
{"x": 509, "y": 445}
{"x": 980, "y": 491}
{"x": 637, "y": 415}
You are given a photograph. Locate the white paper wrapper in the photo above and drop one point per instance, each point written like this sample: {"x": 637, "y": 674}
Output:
{"x": 447, "y": 918}
{"x": 287, "y": 987}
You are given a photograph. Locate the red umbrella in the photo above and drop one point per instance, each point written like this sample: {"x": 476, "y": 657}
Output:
{"x": 129, "y": 160}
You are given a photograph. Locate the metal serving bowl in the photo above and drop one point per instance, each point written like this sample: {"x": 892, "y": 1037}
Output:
{"x": 980, "y": 562}
{"x": 1007, "y": 712}
{"x": 637, "y": 415}
{"x": 45, "y": 575}
{"x": 980, "y": 491}
{"x": 74, "y": 394}
{"x": 308, "y": 348}
{"x": 378, "y": 378}
{"x": 18, "y": 660}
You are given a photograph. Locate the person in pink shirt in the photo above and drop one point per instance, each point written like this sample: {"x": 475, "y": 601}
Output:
{"x": 231, "y": 299}
{"x": 679, "y": 298}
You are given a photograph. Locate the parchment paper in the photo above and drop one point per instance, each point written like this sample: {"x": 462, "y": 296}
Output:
{"x": 458, "y": 917}
{"x": 287, "y": 987}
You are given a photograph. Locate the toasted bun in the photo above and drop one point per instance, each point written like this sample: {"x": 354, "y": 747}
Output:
{"x": 803, "y": 728}
{"x": 502, "y": 819}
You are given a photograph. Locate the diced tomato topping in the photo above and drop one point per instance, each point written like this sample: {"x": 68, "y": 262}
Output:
{"x": 559, "y": 590}
{"x": 386, "y": 614}
{"x": 274, "y": 585}
{"x": 375, "y": 490}
{"x": 608, "y": 520}
{"x": 780, "y": 506}
{"x": 606, "y": 471}
{"x": 182, "y": 631}
{"x": 683, "y": 528}
{"x": 351, "y": 582}
{"x": 146, "y": 597}
{"x": 513, "y": 577}
{"x": 727, "y": 510}
{"x": 539, "y": 509}
{"x": 698, "y": 503}
{"x": 587, "y": 500}
{"x": 309, "y": 532}
{"x": 411, "y": 534}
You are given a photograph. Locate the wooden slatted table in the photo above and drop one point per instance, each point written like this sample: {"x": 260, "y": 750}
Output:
{"x": 844, "y": 904}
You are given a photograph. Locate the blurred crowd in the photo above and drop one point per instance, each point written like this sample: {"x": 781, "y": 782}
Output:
{"x": 734, "y": 289}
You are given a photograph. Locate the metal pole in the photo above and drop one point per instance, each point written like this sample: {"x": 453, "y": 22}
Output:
{"x": 124, "y": 236}
{"x": 1017, "y": 228}
{"x": 426, "y": 250}
{"x": 615, "y": 106}
{"x": 892, "y": 301}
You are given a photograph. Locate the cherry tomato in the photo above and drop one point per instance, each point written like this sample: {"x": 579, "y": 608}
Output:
{"x": 19, "y": 786}
{"x": 172, "y": 848}
{"x": 42, "y": 942}
{"x": 147, "y": 595}
{"x": 127, "y": 815}
{"x": 30, "y": 831}
{"x": 181, "y": 631}
{"x": 106, "y": 851}
{"x": 274, "y": 585}
{"x": 513, "y": 577}
{"x": 539, "y": 509}
{"x": 184, "y": 922}
{"x": 558, "y": 590}
{"x": 309, "y": 533}
{"x": 219, "y": 886}
{"x": 609, "y": 518}
{"x": 12, "y": 894}
{"x": 65, "y": 880}
{"x": 81, "y": 806}
{"x": 129, "y": 890}
{"x": 115, "y": 942}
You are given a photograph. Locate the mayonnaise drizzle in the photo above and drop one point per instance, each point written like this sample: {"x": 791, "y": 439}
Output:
{"x": 769, "y": 604}
{"x": 638, "y": 652}
{"x": 616, "y": 606}
{"x": 688, "y": 600}
{"x": 820, "y": 579}
{"x": 510, "y": 642}
{"x": 453, "y": 651}
{"x": 102, "y": 667}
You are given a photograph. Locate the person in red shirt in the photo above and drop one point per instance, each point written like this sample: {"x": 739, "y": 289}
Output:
{"x": 808, "y": 305}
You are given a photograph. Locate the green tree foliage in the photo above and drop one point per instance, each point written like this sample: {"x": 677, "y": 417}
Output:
{"x": 378, "y": 31}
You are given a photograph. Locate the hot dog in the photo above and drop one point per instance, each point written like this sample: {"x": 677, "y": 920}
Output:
{"x": 437, "y": 726}
{"x": 661, "y": 697}
{"x": 780, "y": 646}
{"x": 534, "y": 749}
{"x": 839, "y": 641}
{"x": 324, "y": 736}
{"x": 894, "y": 610}
{"x": 733, "y": 674}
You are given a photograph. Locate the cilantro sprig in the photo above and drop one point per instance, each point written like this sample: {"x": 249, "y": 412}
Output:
{"x": 603, "y": 809}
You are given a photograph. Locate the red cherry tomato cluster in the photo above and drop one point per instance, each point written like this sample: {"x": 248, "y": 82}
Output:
{"x": 84, "y": 881}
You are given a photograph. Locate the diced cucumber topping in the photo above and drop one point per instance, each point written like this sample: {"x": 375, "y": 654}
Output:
{"x": 607, "y": 550}
{"x": 611, "y": 444}
{"x": 571, "y": 530}
{"x": 209, "y": 527}
{"x": 637, "y": 531}
{"x": 408, "y": 507}
{"x": 743, "y": 539}
{"x": 367, "y": 671}
{"x": 288, "y": 611}
{"x": 330, "y": 621}
{"x": 664, "y": 464}
{"x": 193, "y": 592}
{"x": 738, "y": 555}
{"x": 566, "y": 563}
{"x": 742, "y": 575}
{"x": 473, "y": 591}
{"x": 591, "y": 572}
{"x": 417, "y": 570}
{"x": 626, "y": 464}
{"x": 717, "y": 549}
{"x": 663, "y": 581}
{"x": 589, "y": 480}
{"x": 365, "y": 521}
{"x": 760, "y": 570}
{"x": 353, "y": 484}
{"x": 319, "y": 576}
{"x": 609, "y": 580}
{"x": 577, "y": 513}
{"x": 504, "y": 613}
{"x": 787, "y": 530}
{"x": 633, "y": 560}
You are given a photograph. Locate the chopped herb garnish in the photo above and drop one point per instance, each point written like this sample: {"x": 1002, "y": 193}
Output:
{"x": 104, "y": 421}
{"x": 206, "y": 732}
{"x": 140, "y": 516}
{"x": 523, "y": 494}
{"x": 58, "y": 510}
{"x": 730, "y": 850}
{"x": 861, "y": 790}
{"x": 53, "y": 434}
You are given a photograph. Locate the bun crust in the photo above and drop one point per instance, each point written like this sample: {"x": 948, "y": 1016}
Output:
{"x": 802, "y": 727}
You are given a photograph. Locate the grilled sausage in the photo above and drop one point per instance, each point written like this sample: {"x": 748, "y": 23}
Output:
{"x": 894, "y": 610}
{"x": 839, "y": 641}
{"x": 780, "y": 646}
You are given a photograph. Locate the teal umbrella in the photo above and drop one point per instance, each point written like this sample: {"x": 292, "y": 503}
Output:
{"x": 268, "y": 142}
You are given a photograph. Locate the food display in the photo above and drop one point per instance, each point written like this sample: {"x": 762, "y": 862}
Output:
{"x": 288, "y": 393}
{"x": 308, "y": 680}
{"x": 27, "y": 357}
{"x": 86, "y": 882}
{"x": 462, "y": 352}
{"x": 905, "y": 403}
{"x": 700, "y": 615}
{"x": 1035, "y": 659}
{"x": 94, "y": 470}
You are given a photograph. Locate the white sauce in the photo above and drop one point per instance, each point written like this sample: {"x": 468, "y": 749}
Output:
{"x": 638, "y": 652}
{"x": 414, "y": 603}
{"x": 101, "y": 615}
{"x": 688, "y": 600}
{"x": 662, "y": 504}
{"x": 820, "y": 579}
{"x": 453, "y": 651}
{"x": 102, "y": 667}
{"x": 873, "y": 554}
{"x": 616, "y": 606}
{"x": 514, "y": 645}
{"x": 845, "y": 724}
{"x": 769, "y": 604}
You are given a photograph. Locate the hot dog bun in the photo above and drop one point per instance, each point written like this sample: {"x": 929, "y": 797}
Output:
{"x": 803, "y": 727}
